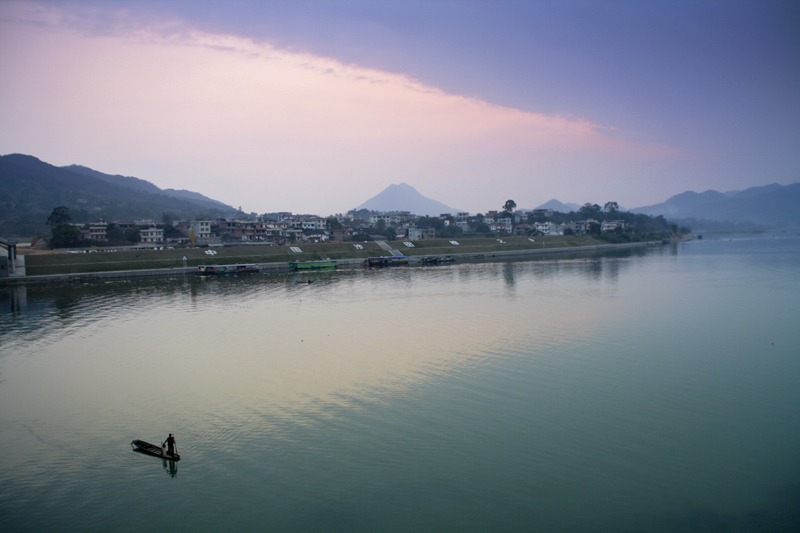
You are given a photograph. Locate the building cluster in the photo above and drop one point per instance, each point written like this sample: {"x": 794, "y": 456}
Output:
{"x": 288, "y": 228}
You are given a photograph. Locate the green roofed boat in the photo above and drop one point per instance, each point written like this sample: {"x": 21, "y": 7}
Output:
{"x": 313, "y": 265}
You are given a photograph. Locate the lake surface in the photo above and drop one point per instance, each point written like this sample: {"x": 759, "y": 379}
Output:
{"x": 652, "y": 390}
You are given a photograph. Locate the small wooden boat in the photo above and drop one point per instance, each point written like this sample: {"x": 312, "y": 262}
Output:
{"x": 151, "y": 449}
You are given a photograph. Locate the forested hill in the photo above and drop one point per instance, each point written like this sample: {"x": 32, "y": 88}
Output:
{"x": 146, "y": 186}
{"x": 30, "y": 189}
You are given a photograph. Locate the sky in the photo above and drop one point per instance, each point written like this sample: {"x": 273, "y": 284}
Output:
{"x": 315, "y": 106}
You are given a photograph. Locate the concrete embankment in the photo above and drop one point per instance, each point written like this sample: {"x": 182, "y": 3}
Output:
{"x": 477, "y": 253}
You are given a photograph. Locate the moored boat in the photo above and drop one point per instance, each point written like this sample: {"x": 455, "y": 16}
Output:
{"x": 242, "y": 268}
{"x": 313, "y": 265}
{"x": 394, "y": 260}
{"x": 436, "y": 259}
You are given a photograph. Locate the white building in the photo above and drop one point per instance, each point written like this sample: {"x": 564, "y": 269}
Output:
{"x": 202, "y": 229}
{"x": 314, "y": 223}
{"x": 151, "y": 235}
{"x": 504, "y": 224}
{"x": 612, "y": 225}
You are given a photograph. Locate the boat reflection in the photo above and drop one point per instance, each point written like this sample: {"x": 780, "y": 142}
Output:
{"x": 170, "y": 467}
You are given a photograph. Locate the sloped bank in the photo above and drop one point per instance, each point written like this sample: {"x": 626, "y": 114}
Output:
{"x": 344, "y": 258}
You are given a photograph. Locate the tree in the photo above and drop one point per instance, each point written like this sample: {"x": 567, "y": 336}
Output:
{"x": 65, "y": 235}
{"x": 132, "y": 235}
{"x": 114, "y": 235}
{"x": 479, "y": 225}
{"x": 59, "y": 215}
{"x": 171, "y": 232}
{"x": 589, "y": 211}
{"x": 509, "y": 206}
{"x": 611, "y": 207}
{"x": 333, "y": 223}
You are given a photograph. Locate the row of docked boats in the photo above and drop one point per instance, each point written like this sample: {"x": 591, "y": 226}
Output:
{"x": 329, "y": 264}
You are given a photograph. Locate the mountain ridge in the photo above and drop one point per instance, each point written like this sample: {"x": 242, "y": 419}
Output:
{"x": 146, "y": 186}
{"x": 31, "y": 188}
{"x": 771, "y": 205}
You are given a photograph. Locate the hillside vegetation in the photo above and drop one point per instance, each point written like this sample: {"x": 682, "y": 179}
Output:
{"x": 30, "y": 189}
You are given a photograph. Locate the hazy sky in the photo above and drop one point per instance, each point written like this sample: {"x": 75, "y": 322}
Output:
{"x": 315, "y": 106}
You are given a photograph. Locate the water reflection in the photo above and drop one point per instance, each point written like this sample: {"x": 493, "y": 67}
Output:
{"x": 610, "y": 382}
{"x": 170, "y": 467}
{"x": 284, "y": 347}
{"x": 40, "y": 309}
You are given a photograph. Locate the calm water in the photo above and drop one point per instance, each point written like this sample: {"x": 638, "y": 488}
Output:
{"x": 650, "y": 391}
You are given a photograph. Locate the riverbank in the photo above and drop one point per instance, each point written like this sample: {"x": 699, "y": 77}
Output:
{"x": 59, "y": 267}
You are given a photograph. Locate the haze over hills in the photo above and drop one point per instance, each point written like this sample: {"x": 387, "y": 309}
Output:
{"x": 404, "y": 197}
{"x": 770, "y": 206}
{"x": 555, "y": 205}
{"x": 30, "y": 189}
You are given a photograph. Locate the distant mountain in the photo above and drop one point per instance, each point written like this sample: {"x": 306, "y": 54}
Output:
{"x": 771, "y": 206}
{"x": 404, "y": 197}
{"x": 30, "y": 189}
{"x": 555, "y": 205}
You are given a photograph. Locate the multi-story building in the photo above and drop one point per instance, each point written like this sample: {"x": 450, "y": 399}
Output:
{"x": 314, "y": 223}
{"x": 612, "y": 225}
{"x": 202, "y": 229}
{"x": 504, "y": 224}
{"x": 151, "y": 235}
{"x": 419, "y": 234}
{"x": 94, "y": 231}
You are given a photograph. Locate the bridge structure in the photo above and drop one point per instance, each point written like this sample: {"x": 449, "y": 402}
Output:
{"x": 8, "y": 264}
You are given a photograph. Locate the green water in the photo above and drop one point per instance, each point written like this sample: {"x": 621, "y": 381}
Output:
{"x": 644, "y": 391}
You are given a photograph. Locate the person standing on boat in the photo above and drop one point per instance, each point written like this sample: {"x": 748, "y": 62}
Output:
{"x": 170, "y": 443}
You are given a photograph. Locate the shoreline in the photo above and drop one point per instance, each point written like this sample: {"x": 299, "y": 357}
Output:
{"x": 282, "y": 266}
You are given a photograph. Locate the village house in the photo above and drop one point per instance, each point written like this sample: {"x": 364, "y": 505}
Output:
{"x": 151, "y": 235}
{"x": 202, "y": 229}
{"x": 419, "y": 234}
{"x": 314, "y": 223}
{"x": 386, "y": 219}
{"x": 316, "y": 237}
{"x": 612, "y": 225}
{"x": 549, "y": 228}
{"x": 503, "y": 224}
{"x": 94, "y": 231}
{"x": 341, "y": 234}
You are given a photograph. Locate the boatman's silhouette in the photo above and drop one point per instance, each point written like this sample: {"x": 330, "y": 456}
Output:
{"x": 170, "y": 442}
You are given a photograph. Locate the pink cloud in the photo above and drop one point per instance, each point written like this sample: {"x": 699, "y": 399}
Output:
{"x": 247, "y": 122}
